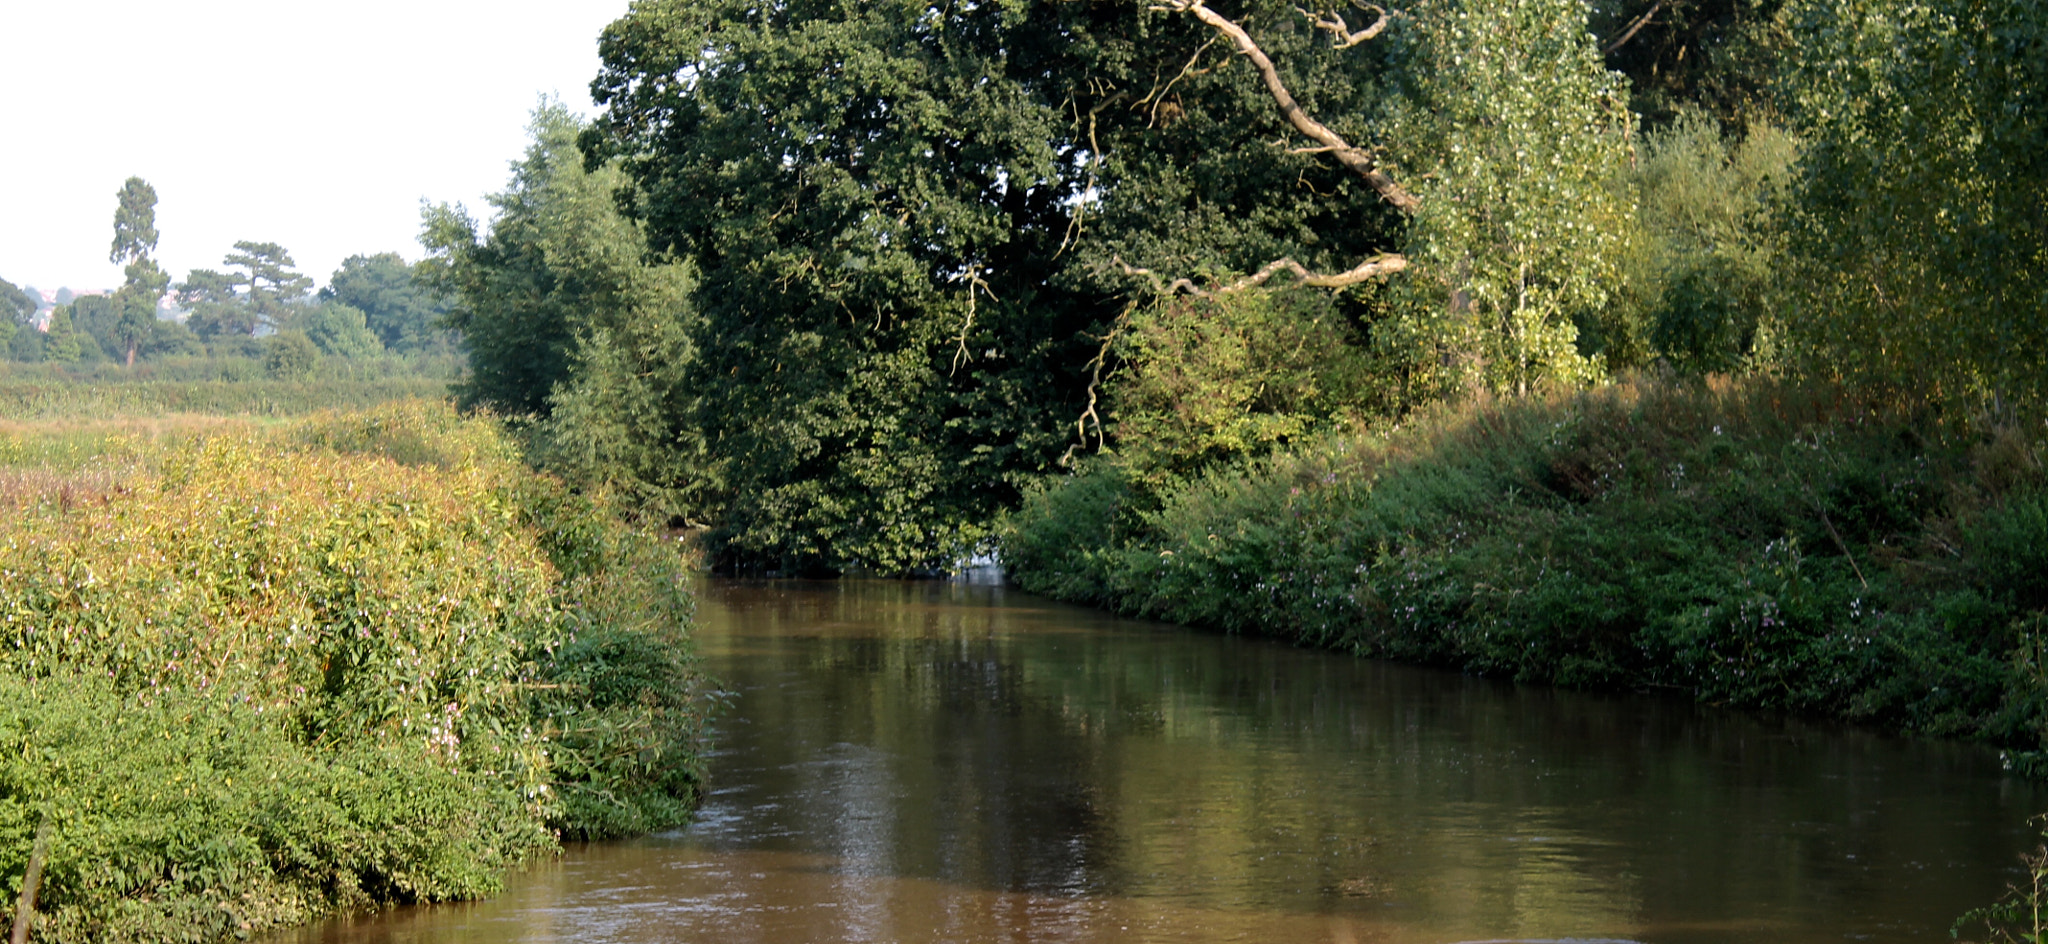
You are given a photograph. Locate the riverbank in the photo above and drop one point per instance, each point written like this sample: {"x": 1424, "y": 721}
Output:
{"x": 1755, "y": 545}
{"x": 259, "y": 673}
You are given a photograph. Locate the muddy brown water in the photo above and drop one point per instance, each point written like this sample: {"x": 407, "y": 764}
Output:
{"x": 940, "y": 762}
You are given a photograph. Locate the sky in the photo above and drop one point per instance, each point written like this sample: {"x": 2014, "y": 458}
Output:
{"x": 317, "y": 126}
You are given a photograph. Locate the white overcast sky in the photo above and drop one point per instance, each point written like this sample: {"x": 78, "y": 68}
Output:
{"x": 318, "y": 126}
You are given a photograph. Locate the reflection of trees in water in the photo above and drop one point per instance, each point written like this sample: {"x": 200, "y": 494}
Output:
{"x": 930, "y": 731}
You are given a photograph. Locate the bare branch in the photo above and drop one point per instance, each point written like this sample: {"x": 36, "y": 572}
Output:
{"x": 972, "y": 276}
{"x": 1383, "y": 264}
{"x": 1095, "y": 366}
{"x": 1079, "y": 222}
{"x": 1158, "y": 95}
{"x": 1357, "y": 160}
{"x": 1334, "y": 24}
{"x": 1633, "y": 28}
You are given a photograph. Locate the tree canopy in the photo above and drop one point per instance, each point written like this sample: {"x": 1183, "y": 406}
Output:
{"x": 838, "y": 280}
{"x": 405, "y": 314}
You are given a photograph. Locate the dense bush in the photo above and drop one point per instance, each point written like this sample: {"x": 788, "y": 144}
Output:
{"x": 1758, "y": 547}
{"x": 369, "y": 658}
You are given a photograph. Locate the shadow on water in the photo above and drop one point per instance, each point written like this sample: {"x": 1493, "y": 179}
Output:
{"x": 960, "y": 762}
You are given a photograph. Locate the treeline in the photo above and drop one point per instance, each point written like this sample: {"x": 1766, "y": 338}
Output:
{"x": 260, "y": 309}
{"x": 842, "y": 284}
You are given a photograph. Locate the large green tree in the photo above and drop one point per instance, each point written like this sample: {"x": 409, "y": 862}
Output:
{"x": 135, "y": 238}
{"x": 265, "y": 293}
{"x": 405, "y": 314}
{"x": 568, "y": 319}
{"x": 916, "y": 223}
{"x": 215, "y": 310}
{"x": 919, "y": 228}
{"x": 269, "y": 283}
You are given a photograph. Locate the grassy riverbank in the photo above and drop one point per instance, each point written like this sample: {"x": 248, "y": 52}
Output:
{"x": 1758, "y": 545}
{"x": 255, "y": 672}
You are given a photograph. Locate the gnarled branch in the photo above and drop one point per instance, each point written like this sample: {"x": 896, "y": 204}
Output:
{"x": 1383, "y": 264}
{"x": 1334, "y": 24}
{"x": 1358, "y": 160}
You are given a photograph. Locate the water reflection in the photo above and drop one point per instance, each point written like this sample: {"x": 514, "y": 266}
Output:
{"x": 955, "y": 762}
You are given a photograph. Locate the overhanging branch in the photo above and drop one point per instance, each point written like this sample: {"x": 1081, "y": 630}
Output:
{"x": 1355, "y": 159}
{"x": 1385, "y": 263}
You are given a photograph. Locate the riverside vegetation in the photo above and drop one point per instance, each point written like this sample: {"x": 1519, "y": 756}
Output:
{"x": 1681, "y": 344}
{"x": 254, "y": 674}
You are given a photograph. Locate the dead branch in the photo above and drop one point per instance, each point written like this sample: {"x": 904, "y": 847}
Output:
{"x": 1633, "y": 28}
{"x": 1383, "y": 264}
{"x": 972, "y": 276}
{"x": 1095, "y": 381}
{"x": 1076, "y": 225}
{"x": 1158, "y": 95}
{"x": 1334, "y": 24}
{"x": 1357, "y": 160}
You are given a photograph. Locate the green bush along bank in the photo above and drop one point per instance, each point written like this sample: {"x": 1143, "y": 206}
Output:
{"x": 1760, "y": 545}
{"x": 363, "y": 658}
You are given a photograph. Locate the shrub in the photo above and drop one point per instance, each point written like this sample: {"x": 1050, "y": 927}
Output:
{"x": 1764, "y": 546}
{"x": 368, "y": 658}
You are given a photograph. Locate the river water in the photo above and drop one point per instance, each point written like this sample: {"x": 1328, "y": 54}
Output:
{"x": 926, "y": 762}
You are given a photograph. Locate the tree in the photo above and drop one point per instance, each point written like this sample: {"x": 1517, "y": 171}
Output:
{"x": 134, "y": 239}
{"x": 920, "y": 228}
{"x": 17, "y": 310}
{"x": 61, "y": 344}
{"x": 264, "y": 294}
{"x": 95, "y": 319}
{"x": 1478, "y": 94}
{"x": 566, "y": 317}
{"x": 1919, "y": 235}
{"x": 268, "y": 284}
{"x": 216, "y": 309}
{"x": 338, "y": 330}
{"x": 896, "y": 303}
{"x": 289, "y": 355}
{"x": 405, "y": 314}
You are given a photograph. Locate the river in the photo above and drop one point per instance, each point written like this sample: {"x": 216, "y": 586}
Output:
{"x": 957, "y": 761}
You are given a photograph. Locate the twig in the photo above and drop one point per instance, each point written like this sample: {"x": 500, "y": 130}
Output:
{"x": 1336, "y": 26}
{"x": 1630, "y": 33}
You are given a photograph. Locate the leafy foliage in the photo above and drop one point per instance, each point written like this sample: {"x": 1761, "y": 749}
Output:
{"x": 1210, "y": 380}
{"x": 1707, "y": 276}
{"x": 1762, "y": 547}
{"x": 1521, "y": 136}
{"x": 344, "y": 667}
{"x": 405, "y": 314}
{"x": 1919, "y": 235}
{"x": 339, "y": 330}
